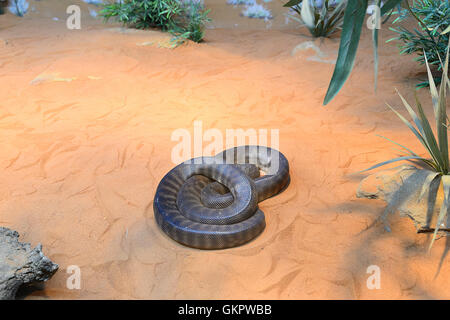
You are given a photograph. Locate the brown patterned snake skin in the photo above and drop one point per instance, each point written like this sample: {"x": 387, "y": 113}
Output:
{"x": 212, "y": 202}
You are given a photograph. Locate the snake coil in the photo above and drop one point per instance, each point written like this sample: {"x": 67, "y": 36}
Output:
{"x": 212, "y": 202}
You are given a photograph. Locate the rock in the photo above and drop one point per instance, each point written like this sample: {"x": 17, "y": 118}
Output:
{"x": 313, "y": 52}
{"x": 400, "y": 188}
{"x": 20, "y": 264}
{"x": 51, "y": 77}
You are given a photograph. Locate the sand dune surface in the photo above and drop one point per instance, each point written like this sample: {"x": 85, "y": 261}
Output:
{"x": 86, "y": 118}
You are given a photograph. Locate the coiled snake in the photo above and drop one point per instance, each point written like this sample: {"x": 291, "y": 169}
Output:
{"x": 193, "y": 209}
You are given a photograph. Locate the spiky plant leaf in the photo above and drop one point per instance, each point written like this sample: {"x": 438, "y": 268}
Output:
{"x": 354, "y": 15}
{"x": 433, "y": 89}
{"x": 391, "y": 161}
{"x": 412, "y": 113}
{"x": 389, "y": 5}
{"x": 292, "y": 3}
{"x": 446, "y": 30}
{"x": 441, "y": 122}
{"x": 414, "y": 130}
{"x": 307, "y": 14}
{"x": 444, "y": 208}
{"x": 429, "y": 138}
{"x": 398, "y": 144}
{"x": 337, "y": 12}
{"x": 426, "y": 184}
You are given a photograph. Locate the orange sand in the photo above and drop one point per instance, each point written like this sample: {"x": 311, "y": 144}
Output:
{"x": 85, "y": 123}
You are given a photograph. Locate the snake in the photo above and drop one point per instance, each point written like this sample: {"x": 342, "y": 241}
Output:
{"x": 212, "y": 202}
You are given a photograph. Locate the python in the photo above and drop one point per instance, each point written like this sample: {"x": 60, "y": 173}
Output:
{"x": 215, "y": 206}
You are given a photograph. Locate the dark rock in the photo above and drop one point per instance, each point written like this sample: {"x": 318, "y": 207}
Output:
{"x": 20, "y": 264}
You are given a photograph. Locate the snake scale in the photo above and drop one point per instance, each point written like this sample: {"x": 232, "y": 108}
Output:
{"x": 212, "y": 202}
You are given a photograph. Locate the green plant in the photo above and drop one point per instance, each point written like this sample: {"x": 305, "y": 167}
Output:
{"x": 322, "y": 18}
{"x": 351, "y": 32}
{"x": 354, "y": 15}
{"x": 191, "y": 25}
{"x": 185, "y": 20}
{"x": 435, "y": 145}
{"x": 433, "y": 18}
{"x": 143, "y": 14}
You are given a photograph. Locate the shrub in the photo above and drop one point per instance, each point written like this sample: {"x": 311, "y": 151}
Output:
{"x": 436, "y": 145}
{"x": 184, "y": 19}
{"x": 143, "y": 14}
{"x": 321, "y": 17}
{"x": 191, "y": 24}
{"x": 257, "y": 11}
{"x": 433, "y": 18}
